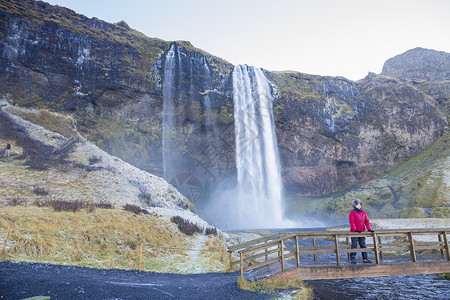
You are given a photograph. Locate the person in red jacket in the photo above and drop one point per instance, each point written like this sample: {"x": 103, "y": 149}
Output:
{"x": 358, "y": 222}
{"x": 7, "y": 149}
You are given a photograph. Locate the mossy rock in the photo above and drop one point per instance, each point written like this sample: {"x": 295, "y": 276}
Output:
{"x": 413, "y": 212}
{"x": 388, "y": 211}
{"x": 440, "y": 212}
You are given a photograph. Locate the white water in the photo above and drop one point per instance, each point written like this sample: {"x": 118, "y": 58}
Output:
{"x": 176, "y": 106}
{"x": 258, "y": 202}
{"x": 169, "y": 94}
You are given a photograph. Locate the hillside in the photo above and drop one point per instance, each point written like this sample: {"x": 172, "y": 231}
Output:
{"x": 88, "y": 208}
{"x": 416, "y": 188}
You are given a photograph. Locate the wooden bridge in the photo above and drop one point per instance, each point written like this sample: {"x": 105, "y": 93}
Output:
{"x": 322, "y": 254}
{"x": 64, "y": 147}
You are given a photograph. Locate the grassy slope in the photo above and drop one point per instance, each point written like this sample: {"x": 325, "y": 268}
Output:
{"x": 418, "y": 187}
{"x": 104, "y": 238}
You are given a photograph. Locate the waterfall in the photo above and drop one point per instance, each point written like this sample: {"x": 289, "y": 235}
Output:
{"x": 187, "y": 87}
{"x": 259, "y": 202}
{"x": 255, "y": 199}
{"x": 168, "y": 127}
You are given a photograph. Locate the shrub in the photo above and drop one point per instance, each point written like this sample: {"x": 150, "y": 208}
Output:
{"x": 94, "y": 159}
{"x": 60, "y": 205}
{"x": 185, "y": 226}
{"x": 16, "y": 201}
{"x": 133, "y": 208}
{"x": 211, "y": 230}
{"x": 146, "y": 197}
{"x": 40, "y": 203}
{"x": 104, "y": 205}
{"x": 40, "y": 191}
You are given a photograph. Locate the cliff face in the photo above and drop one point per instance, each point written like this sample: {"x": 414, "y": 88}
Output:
{"x": 419, "y": 64}
{"x": 428, "y": 70}
{"x": 332, "y": 132}
{"x": 107, "y": 75}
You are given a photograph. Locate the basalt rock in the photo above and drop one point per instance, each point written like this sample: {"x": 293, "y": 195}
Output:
{"x": 419, "y": 64}
{"x": 332, "y": 132}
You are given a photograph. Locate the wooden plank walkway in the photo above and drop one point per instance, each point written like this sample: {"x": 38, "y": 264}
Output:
{"x": 290, "y": 255}
{"x": 319, "y": 272}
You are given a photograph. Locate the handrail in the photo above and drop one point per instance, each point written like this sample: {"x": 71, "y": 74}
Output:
{"x": 66, "y": 145}
{"x": 260, "y": 249}
{"x": 258, "y": 241}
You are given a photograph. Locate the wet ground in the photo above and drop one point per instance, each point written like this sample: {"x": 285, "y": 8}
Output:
{"x": 428, "y": 286}
{"x": 23, "y": 280}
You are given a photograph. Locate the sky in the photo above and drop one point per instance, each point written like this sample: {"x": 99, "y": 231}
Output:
{"x": 348, "y": 38}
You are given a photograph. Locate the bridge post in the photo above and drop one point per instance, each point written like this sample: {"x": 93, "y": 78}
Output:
{"x": 282, "y": 256}
{"x": 297, "y": 251}
{"x": 6, "y": 238}
{"x": 446, "y": 245}
{"x": 336, "y": 243}
{"x": 267, "y": 255}
{"x": 412, "y": 248}
{"x": 314, "y": 245}
{"x": 242, "y": 264}
{"x": 441, "y": 244}
{"x": 379, "y": 245}
{"x": 375, "y": 246}
{"x": 348, "y": 246}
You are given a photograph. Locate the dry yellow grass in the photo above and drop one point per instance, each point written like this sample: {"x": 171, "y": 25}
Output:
{"x": 99, "y": 238}
{"x": 267, "y": 285}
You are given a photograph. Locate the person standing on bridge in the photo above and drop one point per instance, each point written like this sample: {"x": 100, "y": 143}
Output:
{"x": 358, "y": 222}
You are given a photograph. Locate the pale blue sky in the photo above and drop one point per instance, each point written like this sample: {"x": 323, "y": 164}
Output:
{"x": 326, "y": 37}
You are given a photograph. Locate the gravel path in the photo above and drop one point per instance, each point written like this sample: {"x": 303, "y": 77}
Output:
{"x": 23, "y": 280}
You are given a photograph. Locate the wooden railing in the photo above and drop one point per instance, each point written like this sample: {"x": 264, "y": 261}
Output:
{"x": 64, "y": 147}
{"x": 272, "y": 249}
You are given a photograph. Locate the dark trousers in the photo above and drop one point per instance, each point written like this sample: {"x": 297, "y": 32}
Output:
{"x": 362, "y": 244}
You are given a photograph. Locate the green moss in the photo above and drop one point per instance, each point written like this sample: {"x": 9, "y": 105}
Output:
{"x": 440, "y": 212}
{"x": 226, "y": 113}
{"x": 134, "y": 142}
{"x": 427, "y": 189}
{"x": 297, "y": 206}
{"x": 52, "y": 121}
{"x": 195, "y": 112}
{"x": 413, "y": 212}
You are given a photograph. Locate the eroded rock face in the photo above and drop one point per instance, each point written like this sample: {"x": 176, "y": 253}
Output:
{"x": 419, "y": 64}
{"x": 426, "y": 69}
{"x": 332, "y": 132}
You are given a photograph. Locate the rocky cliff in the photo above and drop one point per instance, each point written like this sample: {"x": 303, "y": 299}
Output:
{"x": 425, "y": 69}
{"x": 332, "y": 133}
{"x": 419, "y": 64}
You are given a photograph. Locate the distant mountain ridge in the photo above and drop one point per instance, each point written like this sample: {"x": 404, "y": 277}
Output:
{"x": 419, "y": 64}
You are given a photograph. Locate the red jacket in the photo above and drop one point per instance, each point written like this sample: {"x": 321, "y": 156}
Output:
{"x": 358, "y": 220}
